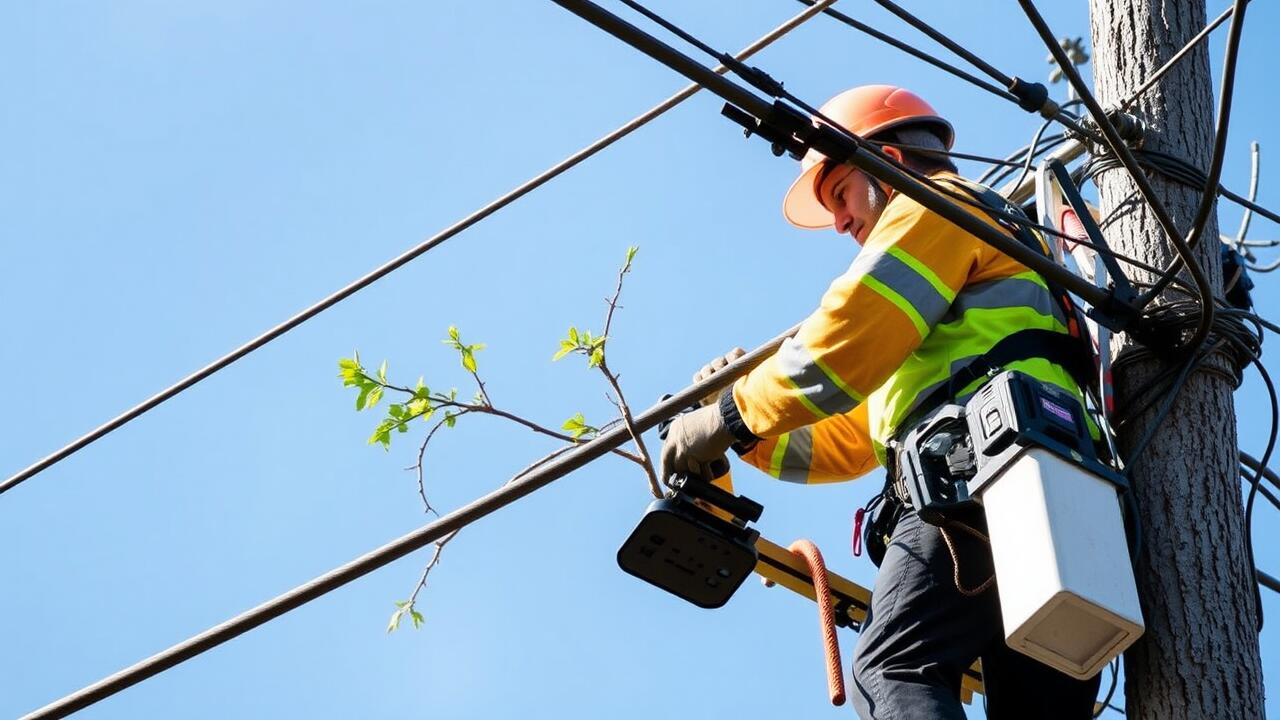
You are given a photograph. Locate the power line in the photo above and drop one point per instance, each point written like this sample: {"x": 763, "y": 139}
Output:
{"x": 922, "y": 55}
{"x": 1118, "y": 146}
{"x": 518, "y": 488}
{"x": 394, "y": 264}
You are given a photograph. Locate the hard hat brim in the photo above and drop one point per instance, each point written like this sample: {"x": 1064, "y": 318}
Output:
{"x": 800, "y": 206}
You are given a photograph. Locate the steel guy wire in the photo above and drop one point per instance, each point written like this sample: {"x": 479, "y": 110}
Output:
{"x": 395, "y": 263}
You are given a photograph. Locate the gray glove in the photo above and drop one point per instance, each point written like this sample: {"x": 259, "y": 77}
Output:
{"x": 693, "y": 441}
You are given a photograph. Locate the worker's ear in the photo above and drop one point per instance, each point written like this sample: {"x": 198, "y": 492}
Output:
{"x": 892, "y": 152}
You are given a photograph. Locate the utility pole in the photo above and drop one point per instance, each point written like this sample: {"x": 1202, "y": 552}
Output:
{"x": 1200, "y": 655}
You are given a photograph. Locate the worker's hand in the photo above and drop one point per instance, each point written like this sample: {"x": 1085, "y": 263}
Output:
{"x": 693, "y": 441}
{"x": 714, "y": 366}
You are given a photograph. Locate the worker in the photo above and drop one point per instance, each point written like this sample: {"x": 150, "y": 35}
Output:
{"x": 923, "y": 303}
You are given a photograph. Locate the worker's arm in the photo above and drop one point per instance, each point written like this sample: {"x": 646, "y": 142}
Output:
{"x": 835, "y": 449}
{"x": 870, "y": 319}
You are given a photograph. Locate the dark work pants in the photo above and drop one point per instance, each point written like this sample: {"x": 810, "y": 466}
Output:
{"x": 921, "y": 634}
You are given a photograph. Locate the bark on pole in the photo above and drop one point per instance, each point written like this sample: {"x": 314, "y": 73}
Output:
{"x": 1200, "y": 655}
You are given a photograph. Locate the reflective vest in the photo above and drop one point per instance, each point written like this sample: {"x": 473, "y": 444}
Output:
{"x": 922, "y": 301}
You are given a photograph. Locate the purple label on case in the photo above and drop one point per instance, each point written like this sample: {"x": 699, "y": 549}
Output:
{"x": 1057, "y": 411}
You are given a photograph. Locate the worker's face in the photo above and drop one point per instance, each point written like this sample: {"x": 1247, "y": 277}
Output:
{"x": 854, "y": 199}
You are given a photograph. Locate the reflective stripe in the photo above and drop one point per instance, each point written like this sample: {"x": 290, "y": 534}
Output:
{"x": 1021, "y": 291}
{"x": 907, "y": 283}
{"x": 798, "y": 456}
{"x": 821, "y": 390}
{"x": 792, "y": 455}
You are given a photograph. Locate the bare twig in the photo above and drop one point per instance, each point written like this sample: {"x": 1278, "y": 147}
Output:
{"x": 654, "y": 486}
{"x": 411, "y": 603}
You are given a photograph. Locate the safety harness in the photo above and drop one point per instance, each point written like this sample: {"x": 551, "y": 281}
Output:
{"x": 1072, "y": 351}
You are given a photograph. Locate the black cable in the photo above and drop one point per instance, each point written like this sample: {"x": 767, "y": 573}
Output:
{"x": 922, "y": 150}
{"x": 761, "y": 81}
{"x": 1121, "y": 149}
{"x": 1115, "y": 674}
{"x": 988, "y": 178}
{"x": 1035, "y": 142}
{"x": 381, "y": 271}
{"x": 1255, "y": 482}
{"x": 1177, "y": 169}
{"x": 904, "y": 47}
{"x": 1172, "y": 61}
{"x": 1207, "y": 198}
{"x": 534, "y": 480}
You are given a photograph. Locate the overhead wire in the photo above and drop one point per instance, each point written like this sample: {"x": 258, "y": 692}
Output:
{"x": 1176, "y": 57}
{"x": 1048, "y": 108}
{"x": 397, "y": 262}
{"x": 1208, "y": 197}
{"x": 916, "y": 52}
{"x": 536, "y": 479}
{"x": 1121, "y": 149}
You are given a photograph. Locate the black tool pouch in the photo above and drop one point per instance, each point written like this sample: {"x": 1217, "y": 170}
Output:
{"x": 882, "y": 516}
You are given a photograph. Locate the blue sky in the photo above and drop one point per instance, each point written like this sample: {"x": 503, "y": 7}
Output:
{"x": 179, "y": 177}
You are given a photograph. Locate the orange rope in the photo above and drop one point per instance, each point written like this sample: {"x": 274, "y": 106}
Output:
{"x": 826, "y": 615}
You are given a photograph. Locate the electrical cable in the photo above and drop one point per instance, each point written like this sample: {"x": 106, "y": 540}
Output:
{"x": 395, "y": 263}
{"x": 744, "y": 101}
{"x": 1172, "y": 61}
{"x": 922, "y": 55}
{"x": 1121, "y": 150}
{"x": 1207, "y": 198}
{"x": 536, "y": 479}
{"x": 1045, "y": 107}
{"x": 1115, "y": 674}
{"x": 989, "y": 177}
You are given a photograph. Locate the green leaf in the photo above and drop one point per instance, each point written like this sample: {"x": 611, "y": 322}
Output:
{"x": 401, "y": 603}
{"x": 382, "y": 371}
{"x": 360, "y": 399}
{"x": 566, "y": 347}
{"x": 574, "y": 422}
{"x": 468, "y": 360}
{"x": 450, "y": 419}
{"x": 417, "y": 619}
{"x": 374, "y": 396}
{"x": 355, "y": 354}
{"x": 396, "y": 411}
{"x": 348, "y": 364}
{"x": 417, "y": 406}
{"x": 477, "y": 347}
{"x": 420, "y": 386}
{"x": 573, "y": 335}
{"x": 402, "y": 427}
{"x": 597, "y": 357}
{"x": 453, "y": 333}
{"x": 631, "y": 253}
{"x": 394, "y": 623}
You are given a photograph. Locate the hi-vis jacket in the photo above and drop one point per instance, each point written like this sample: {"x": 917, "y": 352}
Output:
{"x": 922, "y": 300}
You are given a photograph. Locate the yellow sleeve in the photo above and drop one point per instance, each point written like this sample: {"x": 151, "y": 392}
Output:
{"x": 837, "y": 448}
{"x": 870, "y": 319}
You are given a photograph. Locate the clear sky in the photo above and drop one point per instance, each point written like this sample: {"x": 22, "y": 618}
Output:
{"x": 177, "y": 177}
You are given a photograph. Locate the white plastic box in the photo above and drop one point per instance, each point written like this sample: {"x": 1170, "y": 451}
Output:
{"x": 1067, "y": 593}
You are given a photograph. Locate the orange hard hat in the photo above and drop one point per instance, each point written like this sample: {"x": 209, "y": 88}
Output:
{"x": 863, "y": 111}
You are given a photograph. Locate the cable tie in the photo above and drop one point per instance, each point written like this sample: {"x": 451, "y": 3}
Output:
{"x": 857, "y": 531}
